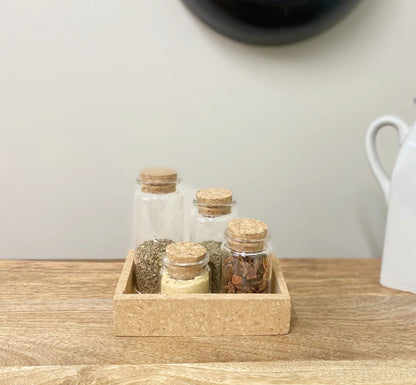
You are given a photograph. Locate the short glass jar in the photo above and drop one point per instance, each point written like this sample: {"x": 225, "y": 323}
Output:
{"x": 213, "y": 209}
{"x": 159, "y": 220}
{"x": 247, "y": 257}
{"x": 185, "y": 269}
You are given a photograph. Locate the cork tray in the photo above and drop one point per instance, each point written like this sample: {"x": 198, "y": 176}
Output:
{"x": 199, "y": 314}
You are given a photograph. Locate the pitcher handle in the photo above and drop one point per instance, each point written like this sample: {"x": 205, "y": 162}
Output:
{"x": 370, "y": 144}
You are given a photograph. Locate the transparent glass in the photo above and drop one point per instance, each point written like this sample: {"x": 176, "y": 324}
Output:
{"x": 185, "y": 278}
{"x": 158, "y": 215}
{"x": 210, "y": 227}
{"x": 246, "y": 265}
{"x": 209, "y": 231}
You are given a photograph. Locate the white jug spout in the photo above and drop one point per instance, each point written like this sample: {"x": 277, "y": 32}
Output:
{"x": 370, "y": 144}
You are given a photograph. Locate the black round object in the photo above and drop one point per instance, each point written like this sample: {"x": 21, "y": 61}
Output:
{"x": 270, "y": 22}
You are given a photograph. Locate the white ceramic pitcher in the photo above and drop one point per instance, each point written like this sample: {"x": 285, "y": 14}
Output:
{"x": 398, "y": 269}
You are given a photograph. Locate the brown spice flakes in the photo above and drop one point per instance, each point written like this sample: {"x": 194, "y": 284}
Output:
{"x": 236, "y": 280}
{"x": 246, "y": 274}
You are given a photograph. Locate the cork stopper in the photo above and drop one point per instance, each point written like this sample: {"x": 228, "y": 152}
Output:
{"x": 158, "y": 180}
{"x": 247, "y": 234}
{"x": 185, "y": 260}
{"x": 214, "y": 201}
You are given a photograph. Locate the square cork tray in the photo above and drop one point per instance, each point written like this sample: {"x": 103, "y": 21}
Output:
{"x": 199, "y": 314}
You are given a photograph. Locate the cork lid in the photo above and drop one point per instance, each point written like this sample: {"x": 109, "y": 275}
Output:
{"x": 185, "y": 253}
{"x": 214, "y": 201}
{"x": 247, "y": 234}
{"x": 185, "y": 260}
{"x": 158, "y": 180}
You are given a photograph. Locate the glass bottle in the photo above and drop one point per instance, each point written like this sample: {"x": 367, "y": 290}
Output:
{"x": 159, "y": 220}
{"x": 213, "y": 209}
{"x": 247, "y": 257}
{"x": 185, "y": 269}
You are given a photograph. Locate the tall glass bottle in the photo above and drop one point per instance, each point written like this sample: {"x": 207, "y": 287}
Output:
{"x": 213, "y": 208}
{"x": 159, "y": 221}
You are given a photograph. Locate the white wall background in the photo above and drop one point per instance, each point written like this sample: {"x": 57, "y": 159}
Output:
{"x": 91, "y": 91}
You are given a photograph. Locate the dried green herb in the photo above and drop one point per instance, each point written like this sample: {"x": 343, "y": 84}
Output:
{"x": 148, "y": 264}
{"x": 215, "y": 258}
{"x": 246, "y": 274}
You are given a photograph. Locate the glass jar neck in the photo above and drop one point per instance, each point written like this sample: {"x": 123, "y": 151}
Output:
{"x": 157, "y": 188}
{"x": 246, "y": 245}
{"x": 208, "y": 210}
{"x": 185, "y": 270}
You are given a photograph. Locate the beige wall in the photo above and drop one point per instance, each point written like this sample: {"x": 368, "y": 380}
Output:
{"x": 92, "y": 91}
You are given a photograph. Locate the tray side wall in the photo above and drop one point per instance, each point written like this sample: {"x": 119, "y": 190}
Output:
{"x": 201, "y": 314}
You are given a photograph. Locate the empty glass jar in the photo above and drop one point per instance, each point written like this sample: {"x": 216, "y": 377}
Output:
{"x": 247, "y": 257}
{"x": 159, "y": 205}
{"x": 159, "y": 219}
{"x": 213, "y": 209}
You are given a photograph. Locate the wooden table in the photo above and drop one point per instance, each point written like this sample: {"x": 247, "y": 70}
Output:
{"x": 56, "y": 327}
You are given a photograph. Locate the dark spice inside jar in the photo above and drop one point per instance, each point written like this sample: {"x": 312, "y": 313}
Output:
{"x": 246, "y": 274}
{"x": 215, "y": 258}
{"x": 148, "y": 261}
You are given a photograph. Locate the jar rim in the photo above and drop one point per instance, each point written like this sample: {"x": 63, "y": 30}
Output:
{"x": 252, "y": 241}
{"x": 167, "y": 261}
{"x": 252, "y": 254}
{"x": 142, "y": 182}
{"x": 197, "y": 203}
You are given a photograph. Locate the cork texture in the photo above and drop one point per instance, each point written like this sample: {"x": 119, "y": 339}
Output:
{"x": 188, "y": 253}
{"x": 158, "y": 180}
{"x": 158, "y": 175}
{"x": 214, "y": 201}
{"x": 185, "y": 252}
{"x": 214, "y": 196}
{"x": 247, "y": 229}
{"x": 200, "y": 314}
{"x": 246, "y": 234}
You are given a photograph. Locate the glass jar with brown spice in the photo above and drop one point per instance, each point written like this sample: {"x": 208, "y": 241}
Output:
{"x": 246, "y": 259}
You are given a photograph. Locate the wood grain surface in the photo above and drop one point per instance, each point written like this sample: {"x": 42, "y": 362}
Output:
{"x": 296, "y": 372}
{"x": 56, "y": 326}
